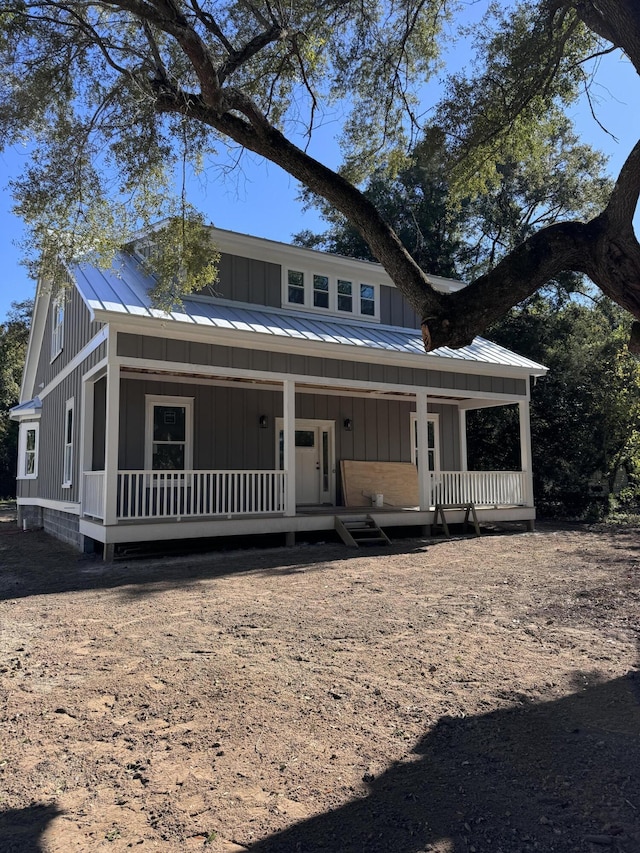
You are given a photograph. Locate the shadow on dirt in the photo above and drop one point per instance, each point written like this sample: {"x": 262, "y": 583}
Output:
{"x": 34, "y": 563}
{"x": 558, "y": 776}
{"x": 22, "y": 830}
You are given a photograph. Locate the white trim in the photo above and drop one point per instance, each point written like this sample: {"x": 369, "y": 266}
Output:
{"x": 434, "y": 418}
{"x": 112, "y": 441}
{"x": 47, "y": 503}
{"x": 172, "y": 367}
{"x": 173, "y": 529}
{"x": 99, "y": 368}
{"x": 307, "y": 307}
{"x": 289, "y": 426}
{"x": 462, "y": 433}
{"x": 152, "y": 400}
{"x": 325, "y": 497}
{"x": 262, "y": 249}
{"x": 304, "y": 388}
{"x": 68, "y": 455}
{"x": 24, "y": 428}
{"x": 76, "y": 361}
{"x": 208, "y": 333}
{"x": 525, "y": 448}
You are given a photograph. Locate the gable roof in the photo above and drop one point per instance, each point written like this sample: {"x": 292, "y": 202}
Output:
{"x": 123, "y": 290}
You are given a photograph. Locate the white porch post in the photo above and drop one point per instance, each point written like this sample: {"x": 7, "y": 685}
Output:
{"x": 289, "y": 431}
{"x": 86, "y": 433}
{"x": 462, "y": 431}
{"x": 525, "y": 449}
{"x": 424, "y": 490}
{"x": 112, "y": 434}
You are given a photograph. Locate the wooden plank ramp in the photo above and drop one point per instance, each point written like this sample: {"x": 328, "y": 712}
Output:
{"x": 358, "y": 530}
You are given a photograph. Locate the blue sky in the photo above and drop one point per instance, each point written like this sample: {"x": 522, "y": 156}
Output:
{"x": 260, "y": 198}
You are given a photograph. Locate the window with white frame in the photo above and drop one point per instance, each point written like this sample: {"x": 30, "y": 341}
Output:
{"x": 57, "y": 324}
{"x": 330, "y": 294}
{"x": 169, "y": 433}
{"x": 433, "y": 441}
{"x": 67, "y": 463}
{"x": 28, "y": 451}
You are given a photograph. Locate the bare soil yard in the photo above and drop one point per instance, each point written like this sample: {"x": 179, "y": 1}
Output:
{"x": 465, "y": 696}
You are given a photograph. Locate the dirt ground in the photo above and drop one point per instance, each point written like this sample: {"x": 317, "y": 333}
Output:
{"x": 464, "y": 696}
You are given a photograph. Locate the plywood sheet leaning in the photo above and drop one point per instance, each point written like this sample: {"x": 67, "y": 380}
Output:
{"x": 397, "y": 482}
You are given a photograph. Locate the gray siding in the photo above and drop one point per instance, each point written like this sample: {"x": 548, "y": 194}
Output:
{"x": 248, "y": 280}
{"x": 78, "y": 331}
{"x": 226, "y": 434}
{"x": 48, "y": 484}
{"x": 395, "y": 310}
{"x": 147, "y": 347}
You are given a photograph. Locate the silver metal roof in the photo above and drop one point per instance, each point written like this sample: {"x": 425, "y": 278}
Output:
{"x": 124, "y": 289}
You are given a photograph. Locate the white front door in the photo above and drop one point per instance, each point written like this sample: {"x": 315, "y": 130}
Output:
{"x": 315, "y": 460}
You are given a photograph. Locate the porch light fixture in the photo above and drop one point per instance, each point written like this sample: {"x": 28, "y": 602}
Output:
{"x": 263, "y": 421}
{"x": 348, "y": 424}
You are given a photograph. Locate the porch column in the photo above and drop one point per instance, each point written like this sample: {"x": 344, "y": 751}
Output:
{"x": 112, "y": 434}
{"x": 525, "y": 449}
{"x": 462, "y": 431}
{"x": 424, "y": 479}
{"x": 289, "y": 432}
{"x": 86, "y": 434}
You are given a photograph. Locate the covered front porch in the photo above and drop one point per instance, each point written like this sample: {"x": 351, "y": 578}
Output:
{"x": 163, "y": 421}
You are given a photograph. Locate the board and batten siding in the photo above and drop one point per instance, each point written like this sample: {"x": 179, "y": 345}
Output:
{"x": 259, "y": 282}
{"x": 151, "y": 348}
{"x": 227, "y": 435}
{"x": 48, "y": 483}
{"x": 78, "y": 331}
{"x": 247, "y": 280}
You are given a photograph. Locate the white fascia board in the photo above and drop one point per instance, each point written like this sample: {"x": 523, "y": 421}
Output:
{"x": 169, "y": 370}
{"x": 48, "y": 503}
{"x": 36, "y": 338}
{"x": 76, "y": 361}
{"x": 262, "y": 249}
{"x": 298, "y": 346}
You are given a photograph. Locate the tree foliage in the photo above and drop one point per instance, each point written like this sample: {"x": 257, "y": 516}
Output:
{"x": 585, "y": 415}
{"x": 116, "y": 98}
{"x": 14, "y": 335}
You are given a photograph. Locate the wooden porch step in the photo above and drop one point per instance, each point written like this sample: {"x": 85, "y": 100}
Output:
{"x": 470, "y": 510}
{"x": 360, "y": 530}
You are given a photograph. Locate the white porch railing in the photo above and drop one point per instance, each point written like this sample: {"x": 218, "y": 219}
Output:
{"x": 93, "y": 494}
{"x": 189, "y": 494}
{"x": 483, "y": 488}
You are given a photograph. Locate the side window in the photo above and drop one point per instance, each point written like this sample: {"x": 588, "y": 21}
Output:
{"x": 169, "y": 434}
{"x": 320, "y": 291}
{"x": 295, "y": 292}
{"x": 57, "y": 324}
{"x": 345, "y": 297}
{"x": 67, "y": 466}
{"x": 367, "y": 300}
{"x": 28, "y": 456}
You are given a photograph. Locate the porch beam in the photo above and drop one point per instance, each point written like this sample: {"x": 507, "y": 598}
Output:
{"x": 525, "y": 449}
{"x": 289, "y": 432}
{"x": 424, "y": 491}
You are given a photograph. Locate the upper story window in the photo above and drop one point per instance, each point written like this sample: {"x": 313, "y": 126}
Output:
{"x": 28, "y": 451}
{"x": 57, "y": 324}
{"x": 333, "y": 295}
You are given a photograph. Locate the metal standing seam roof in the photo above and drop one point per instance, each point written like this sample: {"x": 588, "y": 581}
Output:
{"x": 124, "y": 289}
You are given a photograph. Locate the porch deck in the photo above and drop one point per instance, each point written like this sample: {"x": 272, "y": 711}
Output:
{"x": 164, "y": 505}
